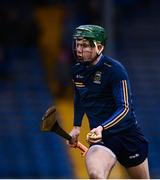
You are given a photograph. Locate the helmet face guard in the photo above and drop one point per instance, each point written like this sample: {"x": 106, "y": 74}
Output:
{"x": 83, "y": 50}
{"x": 85, "y": 40}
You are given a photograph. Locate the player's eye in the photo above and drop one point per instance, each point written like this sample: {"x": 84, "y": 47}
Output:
{"x": 86, "y": 45}
{"x": 78, "y": 45}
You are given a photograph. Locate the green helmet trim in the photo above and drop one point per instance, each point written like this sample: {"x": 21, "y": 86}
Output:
{"x": 93, "y": 32}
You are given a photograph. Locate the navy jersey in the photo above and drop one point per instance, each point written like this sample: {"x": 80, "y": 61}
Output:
{"x": 103, "y": 92}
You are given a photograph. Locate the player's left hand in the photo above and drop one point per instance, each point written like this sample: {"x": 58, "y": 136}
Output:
{"x": 95, "y": 135}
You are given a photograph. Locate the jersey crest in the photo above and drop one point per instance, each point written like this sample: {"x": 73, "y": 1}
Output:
{"x": 97, "y": 77}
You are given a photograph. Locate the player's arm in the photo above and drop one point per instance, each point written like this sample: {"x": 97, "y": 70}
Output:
{"x": 120, "y": 93}
{"x": 78, "y": 109}
{"x": 78, "y": 116}
{"x": 121, "y": 98}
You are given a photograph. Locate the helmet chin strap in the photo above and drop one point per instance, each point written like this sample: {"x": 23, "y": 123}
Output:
{"x": 97, "y": 50}
{"x": 89, "y": 62}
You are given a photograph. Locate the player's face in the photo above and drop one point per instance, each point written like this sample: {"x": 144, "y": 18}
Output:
{"x": 85, "y": 50}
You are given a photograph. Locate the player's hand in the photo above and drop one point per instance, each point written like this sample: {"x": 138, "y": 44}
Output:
{"x": 95, "y": 135}
{"x": 74, "y": 134}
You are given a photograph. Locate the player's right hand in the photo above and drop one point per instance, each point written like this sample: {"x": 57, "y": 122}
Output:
{"x": 74, "y": 134}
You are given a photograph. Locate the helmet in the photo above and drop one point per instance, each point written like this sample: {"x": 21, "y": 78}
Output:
{"x": 92, "y": 32}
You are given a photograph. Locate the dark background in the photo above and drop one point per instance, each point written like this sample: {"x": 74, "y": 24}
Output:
{"x": 35, "y": 57}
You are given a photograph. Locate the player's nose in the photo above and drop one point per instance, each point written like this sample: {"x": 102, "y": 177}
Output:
{"x": 79, "y": 49}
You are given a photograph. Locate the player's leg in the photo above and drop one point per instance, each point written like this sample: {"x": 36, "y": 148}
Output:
{"x": 99, "y": 161}
{"x": 140, "y": 171}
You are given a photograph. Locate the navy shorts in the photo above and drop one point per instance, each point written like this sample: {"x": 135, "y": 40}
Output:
{"x": 129, "y": 146}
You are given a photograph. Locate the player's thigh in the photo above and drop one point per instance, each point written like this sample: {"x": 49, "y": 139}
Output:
{"x": 99, "y": 161}
{"x": 140, "y": 171}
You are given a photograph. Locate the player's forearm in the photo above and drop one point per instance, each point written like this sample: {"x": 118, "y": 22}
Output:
{"x": 78, "y": 111}
{"x": 121, "y": 98}
{"x": 119, "y": 115}
{"x": 78, "y": 116}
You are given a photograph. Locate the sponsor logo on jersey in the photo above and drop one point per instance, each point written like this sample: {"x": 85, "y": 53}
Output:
{"x": 78, "y": 76}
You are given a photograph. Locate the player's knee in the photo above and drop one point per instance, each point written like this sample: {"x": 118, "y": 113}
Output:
{"x": 96, "y": 174}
